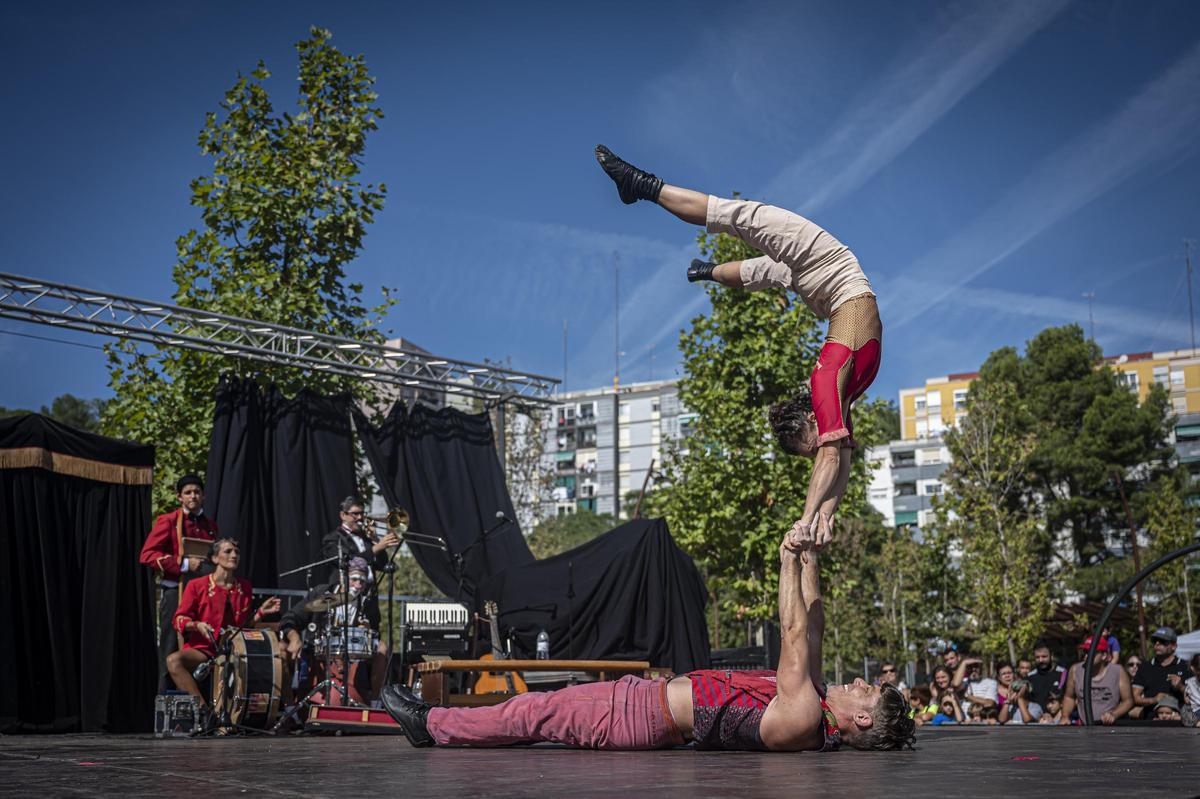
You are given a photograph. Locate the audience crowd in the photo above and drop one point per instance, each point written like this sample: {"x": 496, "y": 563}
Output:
{"x": 960, "y": 690}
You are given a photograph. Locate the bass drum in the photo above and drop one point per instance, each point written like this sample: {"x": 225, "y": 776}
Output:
{"x": 249, "y": 684}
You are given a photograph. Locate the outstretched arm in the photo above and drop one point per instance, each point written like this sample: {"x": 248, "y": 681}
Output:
{"x": 793, "y": 716}
{"x": 825, "y": 477}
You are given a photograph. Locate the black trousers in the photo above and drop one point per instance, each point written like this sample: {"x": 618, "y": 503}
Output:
{"x": 168, "y": 640}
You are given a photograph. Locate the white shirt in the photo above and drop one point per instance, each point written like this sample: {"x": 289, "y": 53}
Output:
{"x": 1191, "y": 693}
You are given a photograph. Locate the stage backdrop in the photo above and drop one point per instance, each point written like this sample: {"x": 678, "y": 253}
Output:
{"x": 637, "y": 596}
{"x": 441, "y": 466}
{"x": 77, "y": 649}
{"x": 277, "y": 469}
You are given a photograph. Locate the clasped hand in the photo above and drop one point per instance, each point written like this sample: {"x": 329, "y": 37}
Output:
{"x": 809, "y": 535}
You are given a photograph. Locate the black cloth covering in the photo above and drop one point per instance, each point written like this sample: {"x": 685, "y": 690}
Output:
{"x": 441, "y": 466}
{"x": 277, "y": 469}
{"x": 77, "y": 651}
{"x": 637, "y": 596}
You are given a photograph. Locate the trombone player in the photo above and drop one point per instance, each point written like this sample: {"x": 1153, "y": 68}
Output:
{"x": 356, "y": 534}
{"x": 356, "y": 539}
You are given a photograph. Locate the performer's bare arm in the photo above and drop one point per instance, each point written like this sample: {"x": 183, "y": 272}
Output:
{"x": 792, "y": 720}
{"x": 825, "y": 478}
{"x": 829, "y": 506}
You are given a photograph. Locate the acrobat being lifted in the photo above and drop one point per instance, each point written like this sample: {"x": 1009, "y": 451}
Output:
{"x": 804, "y": 258}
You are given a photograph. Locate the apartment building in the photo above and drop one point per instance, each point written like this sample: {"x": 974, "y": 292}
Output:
{"x": 906, "y": 474}
{"x": 601, "y": 443}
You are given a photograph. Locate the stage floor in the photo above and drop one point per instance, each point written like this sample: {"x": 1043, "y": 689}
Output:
{"x": 1014, "y": 761}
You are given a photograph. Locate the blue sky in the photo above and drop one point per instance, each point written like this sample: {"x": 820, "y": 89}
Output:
{"x": 988, "y": 163}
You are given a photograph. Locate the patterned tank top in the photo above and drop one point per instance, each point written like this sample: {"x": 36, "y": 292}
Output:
{"x": 728, "y": 709}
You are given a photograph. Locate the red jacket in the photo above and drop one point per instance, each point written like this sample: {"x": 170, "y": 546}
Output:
{"x": 204, "y": 600}
{"x": 162, "y": 548}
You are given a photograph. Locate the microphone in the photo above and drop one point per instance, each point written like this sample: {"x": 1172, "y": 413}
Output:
{"x": 501, "y": 516}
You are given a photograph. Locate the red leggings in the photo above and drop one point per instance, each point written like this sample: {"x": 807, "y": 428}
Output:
{"x": 630, "y": 713}
{"x": 841, "y": 376}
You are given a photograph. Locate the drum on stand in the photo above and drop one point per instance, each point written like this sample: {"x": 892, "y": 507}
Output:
{"x": 250, "y": 682}
{"x": 359, "y": 642}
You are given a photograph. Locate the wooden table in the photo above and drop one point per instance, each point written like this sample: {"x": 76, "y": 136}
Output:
{"x": 435, "y": 689}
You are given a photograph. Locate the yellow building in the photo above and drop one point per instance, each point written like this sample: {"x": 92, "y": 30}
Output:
{"x": 1178, "y": 371}
{"x": 927, "y": 411}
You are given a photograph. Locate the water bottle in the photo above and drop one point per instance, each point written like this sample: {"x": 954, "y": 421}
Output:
{"x": 543, "y": 646}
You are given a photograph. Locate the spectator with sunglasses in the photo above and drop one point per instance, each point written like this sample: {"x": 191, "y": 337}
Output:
{"x": 889, "y": 675}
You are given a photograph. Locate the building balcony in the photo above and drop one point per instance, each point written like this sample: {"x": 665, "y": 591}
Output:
{"x": 905, "y": 503}
{"x": 1188, "y": 451}
{"x": 931, "y": 471}
{"x": 904, "y": 474}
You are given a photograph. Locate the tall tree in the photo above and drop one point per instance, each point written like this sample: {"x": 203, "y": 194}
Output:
{"x": 557, "y": 534}
{"x": 1090, "y": 428}
{"x": 283, "y": 215}
{"x": 68, "y": 409}
{"x": 728, "y": 492}
{"x": 1171, "y": 524}
{"x": 1000, "y": 538}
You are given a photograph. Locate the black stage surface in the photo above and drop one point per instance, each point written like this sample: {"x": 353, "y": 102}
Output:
{"x": 971, "y": 761}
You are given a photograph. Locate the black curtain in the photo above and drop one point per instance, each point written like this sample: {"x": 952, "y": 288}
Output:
{"x": 277, "y": 469}
{"x": 637, "y": 596}
{"x": 77, "y": 651}
{"x": 441, "y": 466}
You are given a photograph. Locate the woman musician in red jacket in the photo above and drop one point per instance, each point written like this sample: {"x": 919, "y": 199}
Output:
{"x": 207, "y": 606}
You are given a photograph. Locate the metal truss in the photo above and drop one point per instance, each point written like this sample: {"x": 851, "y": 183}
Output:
{"x": 73, "y": 308}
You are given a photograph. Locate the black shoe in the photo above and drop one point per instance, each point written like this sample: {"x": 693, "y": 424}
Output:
{"x": 409, "y": 712}
{"x": 700, "y": 270}
{"x": 632, "y": 183}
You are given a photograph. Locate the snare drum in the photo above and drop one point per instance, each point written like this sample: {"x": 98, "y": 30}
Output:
{"x": 251, "y": 680}
{"x": 357, "y": 642}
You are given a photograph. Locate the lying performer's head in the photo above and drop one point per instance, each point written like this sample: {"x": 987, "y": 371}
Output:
{"x": 795, "y": 424}
{"x": 872, "y": 716}
{"x": 224, "y": 553}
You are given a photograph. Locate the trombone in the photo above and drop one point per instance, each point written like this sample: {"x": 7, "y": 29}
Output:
{"x": 396, "y": 520}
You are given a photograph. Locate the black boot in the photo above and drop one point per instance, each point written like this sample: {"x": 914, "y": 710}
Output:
{"x": 409, "y": 712}
{"x": 700, "y": 270}
{"x": 632, "y": 183}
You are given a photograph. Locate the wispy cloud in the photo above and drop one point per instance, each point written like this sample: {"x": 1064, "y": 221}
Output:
{"x": 1156, "y": 125}
{"x": 1111, "y": 319}
{"x": 926, "y": 82}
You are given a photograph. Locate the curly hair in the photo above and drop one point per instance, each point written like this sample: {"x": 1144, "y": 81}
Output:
{"x": 891, "y": 727}
{"x": 790, "y": 420}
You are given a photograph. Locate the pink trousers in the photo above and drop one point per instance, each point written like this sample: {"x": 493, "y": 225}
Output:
{"x": 630, "y": 713}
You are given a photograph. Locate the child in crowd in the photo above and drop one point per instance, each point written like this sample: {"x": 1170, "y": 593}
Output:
{"x": 923, "y": 708}
{"x": 1166, "y": 710}
{"x": 949, "y": 711}
{"x": 1052, "y": 713}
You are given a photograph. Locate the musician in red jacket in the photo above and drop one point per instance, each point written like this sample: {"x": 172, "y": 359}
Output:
{"x": 163, "y": 552}
{"x": 220, "y": 601}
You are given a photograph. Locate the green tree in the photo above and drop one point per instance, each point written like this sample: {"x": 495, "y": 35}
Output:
{"x": 68, "y": 409}
{"x": 1000, "y": 539}
{"x": 79, "y": 413}
{"x": 1089, "y": 428}
{"x": 728, "y": 492}
{"x": 1171, "y": 523}
{"x": 558, "y": 534}
{"x": 283, "y": 215}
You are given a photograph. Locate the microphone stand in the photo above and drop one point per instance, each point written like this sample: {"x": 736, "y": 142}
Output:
{"x": 570, "y": 610}
{"x": 344, "y": 563}
{"x": 458, "y": 561}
